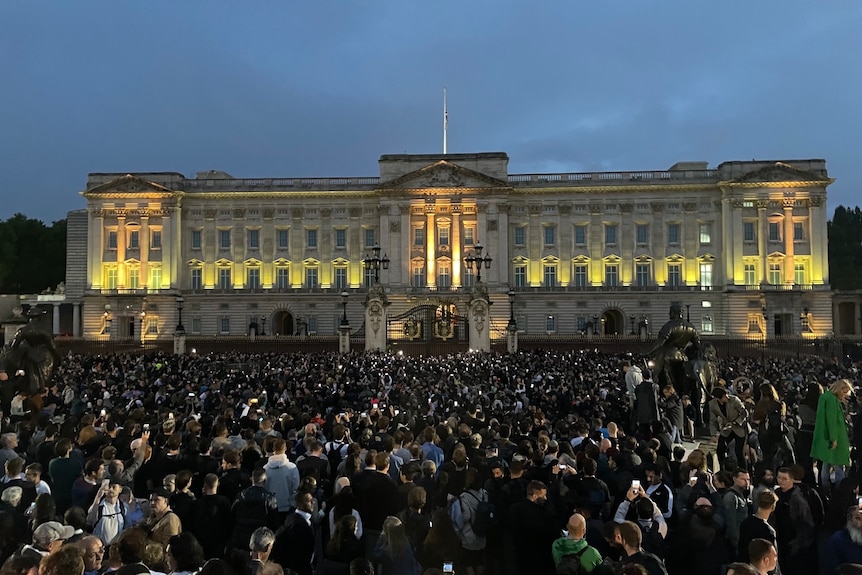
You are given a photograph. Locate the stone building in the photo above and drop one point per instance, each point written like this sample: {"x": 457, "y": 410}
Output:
{"x": 742, "y": 247}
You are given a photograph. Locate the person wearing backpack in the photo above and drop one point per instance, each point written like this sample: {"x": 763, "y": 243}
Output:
{"x": 472, "y": 525}
{"x": 572, "y": 554}
{"x": 107, "y": 515}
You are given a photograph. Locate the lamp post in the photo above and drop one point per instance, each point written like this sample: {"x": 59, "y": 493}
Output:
{"x": 688, "y": 312}
{"x": 375, "y": 262}
{"x": 475, "y": 261}
{"x": 262, "y": 325}
{"x": 596, "y": 325}
{"x": 632, "y": 320}
{"x": 180, "y": 301}
{"x": 803, "y": 320}
{"x": 512, "y": 327}
{"x": 344, "y": 296}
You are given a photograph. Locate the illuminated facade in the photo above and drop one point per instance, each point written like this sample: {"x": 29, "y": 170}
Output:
{"x": 742, "y": 247}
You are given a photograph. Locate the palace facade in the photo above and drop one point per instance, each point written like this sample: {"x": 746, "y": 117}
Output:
{"x": 742, "y": 247}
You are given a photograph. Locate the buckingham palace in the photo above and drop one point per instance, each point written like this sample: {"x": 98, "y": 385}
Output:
{"x": 742, "y": 246}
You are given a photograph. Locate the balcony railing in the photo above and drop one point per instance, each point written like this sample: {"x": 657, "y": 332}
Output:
{"x": 603, "y": 177}
{"x": 244, "y": 184}
{"x": 604, "y": 288}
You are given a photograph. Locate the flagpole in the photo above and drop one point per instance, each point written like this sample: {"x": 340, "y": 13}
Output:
{"x": 445, "y": 120}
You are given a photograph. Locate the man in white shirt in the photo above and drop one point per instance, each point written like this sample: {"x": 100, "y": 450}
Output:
{"x": 107, "y": 514}
{"x": 33, "y": 473}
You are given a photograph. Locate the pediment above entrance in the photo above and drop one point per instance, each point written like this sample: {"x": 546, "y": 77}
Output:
{"x": 779, "y": 172}
{"x": 444, "y": 174}
{"x": 128, "y": 184}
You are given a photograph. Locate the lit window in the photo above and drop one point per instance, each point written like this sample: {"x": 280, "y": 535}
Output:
{"x": 152, "y": 326}
{"x": 111, "y": 278}
{"x": 134, "y": 278}
{"x": 282, "y": 239}
{"x": 253, "y": 279}
{"x": 254, "y": 239}
{"x": 706, "y": 304}
{"x": 705, "y": 233}
{"x": 418, "y": 236}
{"x": 311, "y": 238}
{"x": 156, "y": 239}
{"x": 134, "y": 240}
{"x": 674, "y": 275}
{"x": 520, "y": 234}
{"x": 550, "y": 235}
{"x": 642, "y": 233}
{"x": 706, "y": 274}
{"x": 749, "y": 232}
{"x": 224, "y": 278}
{"x": 340, "y": 238}
{"x": 610, "y": 235}
{"x": 520, "y": 276}
{"x": 799, "y": 275}
{"x": 443, "y": 236}
{"x": 673, "y": 234}
{"x": 311, "y": 277}
{"x": 581, "y": 275}
{"x": 418, "y": 275}
{"x": 444, "y": 277}
{"x": 196, "y": 278}
{"x": 469, "y": 278}
{"x": 775, "y": 275}
{"x": 750, "y": 274}
{"x": 224, "y": 239}
{"x": 706, "y": 325}
{"x": 580, "y": 235}
{"x": 368, "y": 276}
{"x": 550, "y": 275}
{"x": 112, "y": 240}
{"x": 774, "y": 232}
{"x": 642, "y": 275}
{"x": 469, "y": 236}
{"x": 196, "y": 239}
{"x": 341, "y": 278}
{"x": 155, "y": 282}
{"x": 281, "y": 278}
{"x": 612, "y": 275}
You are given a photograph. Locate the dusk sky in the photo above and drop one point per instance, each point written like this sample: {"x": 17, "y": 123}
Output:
{"x": 290, "y": 88}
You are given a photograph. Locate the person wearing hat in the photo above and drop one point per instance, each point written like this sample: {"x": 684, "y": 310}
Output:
{"x": 163, "y": 523}
{"x": 47, "y": 538}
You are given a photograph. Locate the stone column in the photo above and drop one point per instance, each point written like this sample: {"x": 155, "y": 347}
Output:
{"x": 179, "y": 343}
{"x": 512, "y": 339}
{"x": 789, "y": 270}
{"x": 76, "y": 319}
{"x": 479, "y": 318}
{"x": 121, "y": 252}
{"x": 144, "y": 243}
{"x": 504, "y": 266}
{"x": 406, "y": 245}
{"x": 456, "y": 245}
{"x": 344, "y": 338}
{"x": 55, "y": 329}
{"x": 762, "y": 233}
{"x": 375, "y": 304}
{"x": 430, "y": 246}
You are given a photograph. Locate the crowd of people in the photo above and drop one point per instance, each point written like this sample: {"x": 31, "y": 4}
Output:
{"x": 475, "y": 464}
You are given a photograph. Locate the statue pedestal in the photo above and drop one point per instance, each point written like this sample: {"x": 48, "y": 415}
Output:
{"x": 479, "y": 328}
{"x": 9, "y": 331}
{"x": 375, "y": 304}
{"x": 344, "y": 338}
{"x": 179, "y": 343}
{"x": 512, "y": 340}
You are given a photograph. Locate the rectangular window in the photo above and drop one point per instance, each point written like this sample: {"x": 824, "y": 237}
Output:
{"x": 612, "y": 275}
{"x": 705, "y": 234}
{"x": 611, "y": 235}
{"x": 706, "y": 274}
{"x": 196, "y": 239}
{"x": 775, "y": 275}
{"x": 799, "y": 275}
{"x": 196, "y": 278}
{"x": 520, "y": 276}
{"x": 368, "y": 276}
{"x": 706, "y": 324}
{"x": 134, "y": 240}
{"x": 224, "y": 278}
{"x": 281, "y": 278}
{"x": 550, "y": 324}
{"x": 749, "y": 233}
{"x": 673, "y": 234}
{"x": 311, "y": 238}
{"x": 469, "y": 278}
{"x": 156, "y": 239}
{"x": 774, "y": 232}
{"x": 418, "y": 237}
{"x": 311, "y": 327}
{"x": 341, "y": 278}
{"x": 282, "y": 239}
{"x": 674, "y": 275}
{"x": 253, "y": 278}
{"x": 580, "y": 235}
{"x": 370, "y": 240}
{"x": 418, "y": 275}
{"x": 580, "y": 275}
{"x": 642, "y": 275}
{"x": 152, "y": 326}
{"x": 224, "y": 324}
{"x": 642, "y": 233}
{"x": 224, "y": 239}
{"x": 196, "y": 325}
{"x": 550, "y": 235}
{"x": 444, "y": 277}
{"x": 582, "y": 324}
{"x": 254, "y": 239}
{"x": 340, "y": 238}
{"x": 134, "y": 278}
{"x": 520, "y": 235}
{"x": 750, "y": 274}
{"x": 111, "y": 279}
{"x": 443, "y": 236}
{"x": 311, "y": 277}
{"x": 112, "y": 240}
{"x": 155, "y": 282}
{"x": 798, "y": 232}
{"x": 550, "y": 276}
{"x": 469, "y": 236}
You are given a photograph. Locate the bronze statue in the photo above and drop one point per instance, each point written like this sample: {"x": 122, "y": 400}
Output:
{"x": 29, "y": 360}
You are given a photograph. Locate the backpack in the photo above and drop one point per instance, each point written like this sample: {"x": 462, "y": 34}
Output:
{"x": 772, "y": 426}
{"x": 484, "y": 518}
{"x": 333, "y": 454}
{"x": 815, "y": 502}
{"x": 571, "y": 564}
{"x": 652, "y": 540}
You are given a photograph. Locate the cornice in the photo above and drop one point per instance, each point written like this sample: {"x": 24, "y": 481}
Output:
{"x": 785, "y": 184}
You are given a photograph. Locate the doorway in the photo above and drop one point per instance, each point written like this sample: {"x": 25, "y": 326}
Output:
{"x": 613, "y": 323}
{"x": 282, "y": 323}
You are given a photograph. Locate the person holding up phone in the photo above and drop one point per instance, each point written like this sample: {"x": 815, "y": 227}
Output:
{"x": 107, "y": 515}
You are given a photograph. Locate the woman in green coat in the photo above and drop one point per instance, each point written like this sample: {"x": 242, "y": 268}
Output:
{"x": 831, "y": 444}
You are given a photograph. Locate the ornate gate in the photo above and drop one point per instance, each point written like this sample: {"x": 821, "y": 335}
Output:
{"x": 428, "y": 329}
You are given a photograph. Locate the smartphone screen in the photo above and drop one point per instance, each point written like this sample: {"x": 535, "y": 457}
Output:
{"x": 448, "y": 567}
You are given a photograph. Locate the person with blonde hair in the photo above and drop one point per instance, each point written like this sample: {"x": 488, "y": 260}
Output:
{"x": 768, "y": 417}
{"x": 393, "y": 550}
{"x": 831, "y": 443}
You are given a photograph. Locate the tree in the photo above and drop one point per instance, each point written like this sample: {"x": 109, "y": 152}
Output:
{"x": 845, "y": 248}
{"x": 32, "y": 255}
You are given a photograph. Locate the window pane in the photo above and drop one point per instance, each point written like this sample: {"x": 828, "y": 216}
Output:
{"x": 134, "y": 278}
{"x": 705, "y": 233}
{"x": 196, "y": 239}
{"x": 341, "y": 238}
{"x": 253, "y": 239}
{"x": 225, "y": 324}
{"x": 418, "y": 276}
{"x": 311, "y": 277}
{"x": 224, "y": 278}
{"x": 196, "y": 282}
{"x": 674, "y": 275}
{"x": 580, "y": 235}
{"x": 111, "y": 280}
{"x": 642, "y": 274}
{"x": 706, "y": 275}
{"x": 549, "y": 235}
{"x": 311, "y": 238}
{"x": 775, "y": 275}
{"x": 224, "y": 239}
{"x": 799, "y": 275}
{"x": 611, "y": 275}
{"x": 550, "y": 276}
{"x": 282, "y": 239}
{"x": 444, "y": 279}
{"x": 520, "y": 276}
{"x": 340, "y": 278}
{"x": 750, "y": 274}
{"x": 254, "y": 278}
{"x": 443, "y": 236}
{"x": 580, "y": 275}
{"x": 610, "y": 235}
{"x": 673, "y": 233}
{"x": 155, "y": 278}
{"x": 469, "y": 236}
{"x": 196, "y": 325}
{"x": 748, "y": 232}
{"x": 281, "y": 281}
{"x": 519, "y": 236}
{"x": 368, "y": 277}
{"x": 642, "y": 234}
{"x": 550, "y": 323}
{"x": 774, "y": 232}
{"x": 798, "y": 232}
{"x": 134, "y": 241}
{"x": 418, "y": 236}
{"x": 369, "y": 238}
